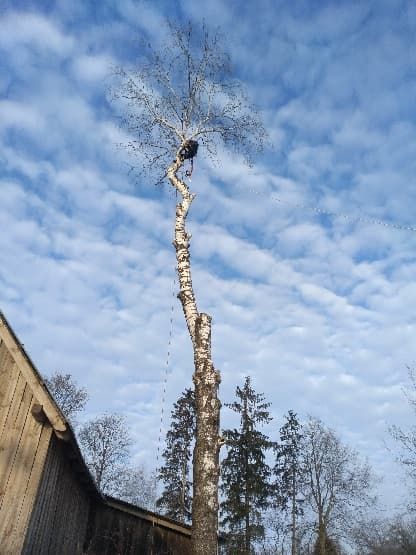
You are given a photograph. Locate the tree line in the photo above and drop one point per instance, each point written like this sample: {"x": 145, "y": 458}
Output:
{"x": 293, "y": 494}
{"x": 301, "y": 492}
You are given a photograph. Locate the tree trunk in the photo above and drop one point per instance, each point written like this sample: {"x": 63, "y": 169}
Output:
{"x": 247, "y": 539}
{"x": 322, "y": 536}
{"x": 206, "y": 379}
{"x": 294, "y": 547}
{"x": 183, "y": 491}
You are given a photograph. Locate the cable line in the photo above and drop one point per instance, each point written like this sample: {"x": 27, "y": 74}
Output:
{"x": 332, "y": 214}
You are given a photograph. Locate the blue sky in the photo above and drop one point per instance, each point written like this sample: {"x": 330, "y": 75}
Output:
{"x": 318, "y": 309}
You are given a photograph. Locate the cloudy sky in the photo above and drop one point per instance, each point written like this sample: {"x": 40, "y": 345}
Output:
{"x": 319, "y": 309}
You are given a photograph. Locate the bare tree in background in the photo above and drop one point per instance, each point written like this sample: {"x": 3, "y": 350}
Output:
{"x": 138, "y": 487}
{"x": 393, "y": 536}
{"x": 70, "y": 398}
{"x": 407, "y": 438}
{"x": 105, "y": 443}
{"x": 336, "y": 484}
{"x": 180, "y": 96}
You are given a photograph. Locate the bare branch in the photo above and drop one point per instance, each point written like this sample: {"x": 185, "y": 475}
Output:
{"x": 185, "y": 91}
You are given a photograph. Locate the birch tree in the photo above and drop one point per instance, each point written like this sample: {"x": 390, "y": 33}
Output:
{"x": 178, "y": 98}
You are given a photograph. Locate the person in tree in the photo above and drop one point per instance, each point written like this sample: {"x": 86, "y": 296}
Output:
{"x": 179, "y": 97}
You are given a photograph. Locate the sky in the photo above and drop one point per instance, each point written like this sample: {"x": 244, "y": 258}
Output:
{"x": 306, "y": 260}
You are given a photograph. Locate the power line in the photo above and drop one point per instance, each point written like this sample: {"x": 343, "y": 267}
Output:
{"x": 332, "y": 214}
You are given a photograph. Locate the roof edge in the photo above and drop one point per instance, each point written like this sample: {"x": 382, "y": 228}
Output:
{"x": 155, "y": 519}
{"x": 34, "y": 379}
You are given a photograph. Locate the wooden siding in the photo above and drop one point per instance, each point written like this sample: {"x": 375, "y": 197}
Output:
{"x": 119, "y": 532}
{"x": 23, "y": 447}
{"x": 49, "y": 504}
{"x": 60, "y": 517}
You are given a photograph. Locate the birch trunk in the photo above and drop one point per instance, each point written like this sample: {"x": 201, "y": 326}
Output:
{"x": 206, "y": 379}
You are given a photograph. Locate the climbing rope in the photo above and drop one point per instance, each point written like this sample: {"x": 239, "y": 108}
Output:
{"x": 166, "y": 375}
{"x": 163, "y": 400}
{"x": 167, "y": 366}
{"x": 188, "y": 172}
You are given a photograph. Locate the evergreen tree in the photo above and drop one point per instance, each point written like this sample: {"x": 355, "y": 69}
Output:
{"x": 176, "y": 498}
{"x": 245, "y": 473}
{"x": 287, "y": 470}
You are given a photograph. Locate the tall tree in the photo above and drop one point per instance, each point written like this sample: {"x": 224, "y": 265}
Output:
{"x": 181, "y": 95}
{"x": 105, "y": 443}
{"x": 337, "y": 485}
{"x": 176, "y": 497}
{"x": 245, "y": 472}
{"x": 287, "y": 471}
{"x": 70, "y": 398}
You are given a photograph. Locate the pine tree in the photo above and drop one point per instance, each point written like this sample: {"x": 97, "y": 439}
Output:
{"x": 245, "y": 473}
{"x": 176, "y": 498}
{"x": 287, "y": 470}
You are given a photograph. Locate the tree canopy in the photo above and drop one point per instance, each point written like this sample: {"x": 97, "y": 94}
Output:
{"x": 70, "y": 398}
{"x": 184, "y": 91}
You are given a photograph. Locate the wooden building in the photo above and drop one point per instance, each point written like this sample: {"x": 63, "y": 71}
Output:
{"x": 49, "y": 503}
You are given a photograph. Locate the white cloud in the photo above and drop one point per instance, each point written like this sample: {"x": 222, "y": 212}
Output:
{"x": 92, "y": 69}
{"x": 34, "y": 31}
{"x": 20, "y": 116}
{"x": 317, "y": 309}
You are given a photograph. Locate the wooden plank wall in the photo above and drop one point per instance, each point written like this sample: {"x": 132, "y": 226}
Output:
{"x": 60, "y": 517}
{"x": 118, "y": 532}
{"x": 23, "y": 446}
{"x": 46, "y": 502}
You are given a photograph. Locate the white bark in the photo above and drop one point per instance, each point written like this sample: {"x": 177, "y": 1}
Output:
{"x": 206, "y": 380}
